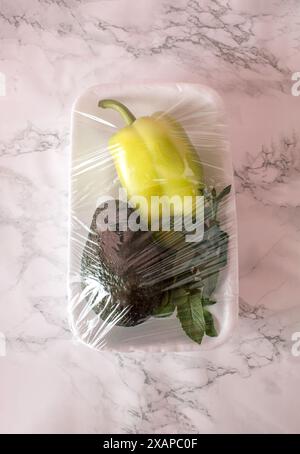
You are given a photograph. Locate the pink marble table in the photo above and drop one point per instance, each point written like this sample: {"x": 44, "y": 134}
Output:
{"x": 50, "y": 52}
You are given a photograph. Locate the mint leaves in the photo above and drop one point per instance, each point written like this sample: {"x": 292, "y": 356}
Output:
{"x": 192, "y": 312}
{"x": 195, "y": 318}
{"x": 191, "y": 291}
{"x": 167, "y": 306}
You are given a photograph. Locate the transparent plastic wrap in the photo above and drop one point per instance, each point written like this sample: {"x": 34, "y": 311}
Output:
{"x": 153, "y": 238}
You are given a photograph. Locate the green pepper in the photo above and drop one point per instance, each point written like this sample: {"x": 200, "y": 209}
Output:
{"x": 153, "y": 156}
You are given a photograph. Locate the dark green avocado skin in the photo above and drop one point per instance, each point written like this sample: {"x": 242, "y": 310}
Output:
{"x": 120, "y": 272}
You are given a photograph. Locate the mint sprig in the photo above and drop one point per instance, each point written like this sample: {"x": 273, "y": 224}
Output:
{"x": 193, "y": 298}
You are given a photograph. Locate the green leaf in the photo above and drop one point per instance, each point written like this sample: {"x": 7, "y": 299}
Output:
{"x": 210, "y": 284}
{"x": 191, "y": 316}
{"x": 170, "y": 300}
{"x": 207, "y": 302}
{"x": 166, "y": 308}
{"x": 210, "y": 329}
{"x": 223, "y": 193}
{"x": 179, "y": 295}
{"x": 206, "y": 259}
{"x": 224, "y": 247}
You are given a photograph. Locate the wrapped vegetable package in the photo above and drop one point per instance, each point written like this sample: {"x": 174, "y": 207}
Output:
{"x": 153, "y": 238}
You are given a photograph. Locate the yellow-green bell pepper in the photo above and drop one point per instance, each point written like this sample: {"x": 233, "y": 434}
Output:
{"x": 153, "y": 156}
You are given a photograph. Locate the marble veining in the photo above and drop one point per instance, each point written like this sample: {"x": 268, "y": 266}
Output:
{"x": 50, "y": 52}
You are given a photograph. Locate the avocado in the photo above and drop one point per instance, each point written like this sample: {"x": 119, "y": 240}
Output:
{"x": 120, "y": 269}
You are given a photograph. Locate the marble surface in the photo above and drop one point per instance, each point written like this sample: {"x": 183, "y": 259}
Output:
{"x": 50, "y": 52}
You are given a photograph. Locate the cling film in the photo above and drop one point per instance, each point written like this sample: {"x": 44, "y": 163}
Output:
{"x": 153, "y": 237}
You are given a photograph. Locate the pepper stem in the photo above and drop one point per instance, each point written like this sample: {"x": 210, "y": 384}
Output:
{"x": 128, "y": 117}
